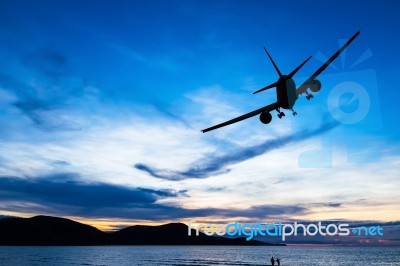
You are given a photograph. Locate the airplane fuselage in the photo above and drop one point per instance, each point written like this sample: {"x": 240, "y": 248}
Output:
{"x": 286, "y": 92}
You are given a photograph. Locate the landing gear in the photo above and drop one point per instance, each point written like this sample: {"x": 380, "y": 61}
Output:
{"x": 309, "y": 96}
{"x": 294, "y": 112}
{"x": 280, "y": 114}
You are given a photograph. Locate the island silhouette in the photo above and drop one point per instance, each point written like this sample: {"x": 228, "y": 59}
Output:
{"x": 55, "y": 231}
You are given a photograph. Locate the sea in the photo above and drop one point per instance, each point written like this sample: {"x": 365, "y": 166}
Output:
{"x": 197, "y": 255}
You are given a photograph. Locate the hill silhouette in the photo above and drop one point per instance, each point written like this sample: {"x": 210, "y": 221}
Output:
{"x": 46, "y": 230}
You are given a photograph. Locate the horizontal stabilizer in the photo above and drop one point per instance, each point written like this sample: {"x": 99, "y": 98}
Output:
{"x": 266, "y": 88}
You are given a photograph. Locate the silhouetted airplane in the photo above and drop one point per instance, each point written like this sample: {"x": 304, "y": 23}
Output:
{"x": 286, "y": 91}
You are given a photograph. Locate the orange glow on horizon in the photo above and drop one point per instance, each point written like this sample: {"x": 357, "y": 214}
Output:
{"x": 113, "y": 224}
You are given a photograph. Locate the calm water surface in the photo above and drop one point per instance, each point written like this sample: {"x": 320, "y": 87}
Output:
{"x": 195, "y": 255}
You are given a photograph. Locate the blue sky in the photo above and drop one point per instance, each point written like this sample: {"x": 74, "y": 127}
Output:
{"x": 99, "y": 99}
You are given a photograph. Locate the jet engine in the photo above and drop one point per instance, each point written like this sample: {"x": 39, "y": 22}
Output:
{"x": 315, "y": 85}
{"x": 265, "y": 117}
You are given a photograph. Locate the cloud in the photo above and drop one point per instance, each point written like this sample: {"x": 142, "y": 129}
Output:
{"x": 328, "y": 204}
{"x": 44, "y": 88}
{"x": 6, "y": 216}
{"x": 34, "y": 110}
{"x": 65, "y": 194}
{"x": 263, "y": 210}
{"x": 215, "y": 165}
{"x": 46, "y": 105}
{"x": 60, "y": 163}
{"x": 52, "y": 64}
{"x": 67, "y": 188}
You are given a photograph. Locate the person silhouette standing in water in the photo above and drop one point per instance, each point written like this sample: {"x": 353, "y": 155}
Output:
{"x": 278, "y": 261}
{"x": 272, "y": 261}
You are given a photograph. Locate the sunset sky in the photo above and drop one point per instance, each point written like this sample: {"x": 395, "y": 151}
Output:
{"x": 102, "y": 103}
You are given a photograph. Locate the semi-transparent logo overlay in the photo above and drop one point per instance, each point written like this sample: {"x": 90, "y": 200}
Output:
{"x": 282, "y": 230}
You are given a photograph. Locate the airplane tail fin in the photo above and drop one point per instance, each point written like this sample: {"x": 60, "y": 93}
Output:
{"x": 298, "y": 68}
{"x": 279, "y": 72}
{"x": 273, "y": 63}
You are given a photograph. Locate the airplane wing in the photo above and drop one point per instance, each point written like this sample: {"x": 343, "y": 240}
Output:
{"x": 267, "y": 108}
{"x": 303, "y": 87}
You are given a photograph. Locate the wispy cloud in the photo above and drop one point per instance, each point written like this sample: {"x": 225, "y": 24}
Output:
{"x": 214, "y": 165}
{"x": 52, "y": 64}
{"x": 61, "y": 188}
{"x": 45, "y": 90}
{"x": 67, "y": 194}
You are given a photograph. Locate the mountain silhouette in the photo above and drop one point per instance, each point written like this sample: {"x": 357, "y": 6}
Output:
{"x": 46, "y": 230}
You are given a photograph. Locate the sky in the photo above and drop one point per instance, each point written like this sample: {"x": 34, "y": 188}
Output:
{"x": 102, "y": 105}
